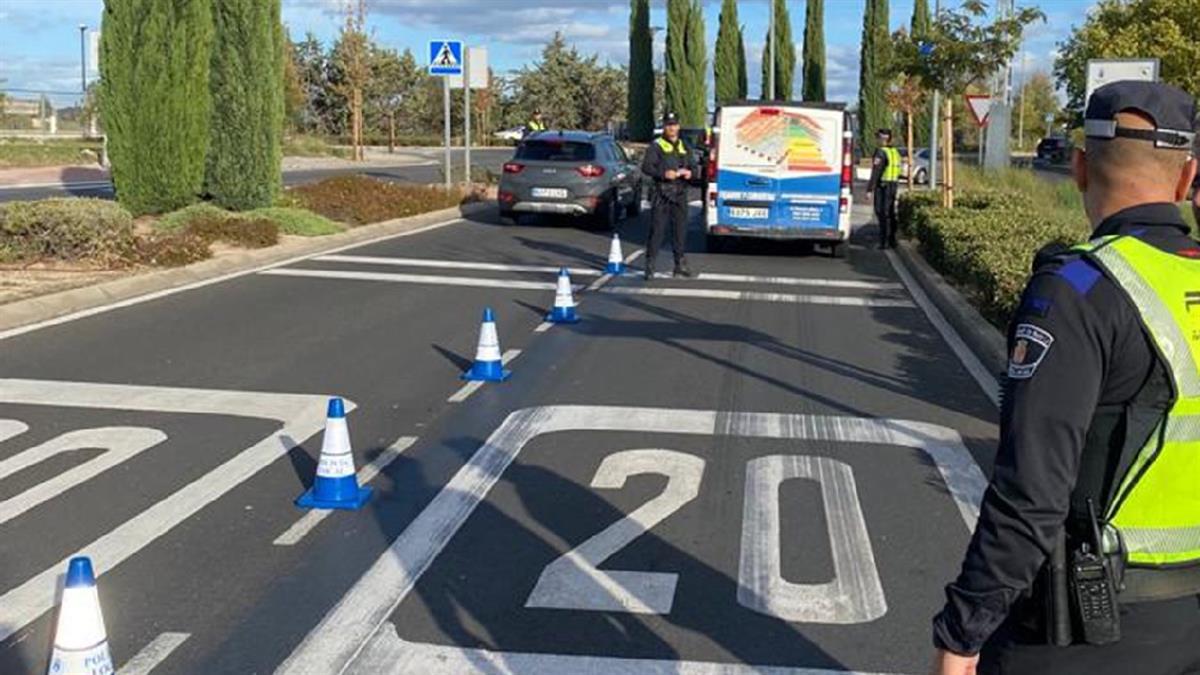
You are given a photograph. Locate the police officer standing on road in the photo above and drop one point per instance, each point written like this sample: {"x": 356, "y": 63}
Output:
{"x": 885, "y": 175}
{"x": 1086, "y": 556}
{"x": 536, "y": 123}
{"x": 670, "y": 164}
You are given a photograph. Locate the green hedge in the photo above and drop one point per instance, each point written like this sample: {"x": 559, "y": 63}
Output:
{"x": 986, "y": 244}
{"x": 67, "y": 229}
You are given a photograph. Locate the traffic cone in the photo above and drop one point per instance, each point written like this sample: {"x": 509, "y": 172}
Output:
{"x": 80, "y": 643}
{"x": 487, "y": 366}
{"x": 564, "y": 301}
{"x": 616, "y": 261}
{"x": 336, "y": 485}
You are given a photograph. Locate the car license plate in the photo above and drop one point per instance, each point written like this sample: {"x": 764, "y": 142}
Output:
{"x": 748, "y": 213}
{"x": 550, "y": 193}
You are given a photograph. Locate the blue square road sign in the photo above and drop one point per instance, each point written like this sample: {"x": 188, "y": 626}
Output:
{"x": 445, "y": 57}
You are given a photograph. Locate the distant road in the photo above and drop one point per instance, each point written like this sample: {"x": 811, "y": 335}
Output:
{"x": 419, "y": 173}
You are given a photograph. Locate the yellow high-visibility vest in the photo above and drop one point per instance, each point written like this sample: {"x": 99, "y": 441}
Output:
{"x": 891, "y": 173}
{"x": 678, "y": 148}
{"x": 534, "y": 125}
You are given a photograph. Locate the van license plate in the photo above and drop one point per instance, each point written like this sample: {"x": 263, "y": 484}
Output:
{"x": 550, "y": 193}
{"x": 748, "y": 213}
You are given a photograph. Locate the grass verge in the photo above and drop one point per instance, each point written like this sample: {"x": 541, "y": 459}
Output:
{"x": 28, "y": 153}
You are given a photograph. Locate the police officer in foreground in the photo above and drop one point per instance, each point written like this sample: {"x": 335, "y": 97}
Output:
{"x": 1085, "y": 557}
{"x": 885, "y": 175}
{"x": 536, "y": 123}
{"x": 670, "y": 164}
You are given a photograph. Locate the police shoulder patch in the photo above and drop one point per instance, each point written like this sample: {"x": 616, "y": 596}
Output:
{"x": 1030, "y": 345}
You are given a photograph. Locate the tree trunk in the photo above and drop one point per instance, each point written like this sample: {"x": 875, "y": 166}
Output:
{"x": 391, "y": 131}
{"x": 912, "y": 155}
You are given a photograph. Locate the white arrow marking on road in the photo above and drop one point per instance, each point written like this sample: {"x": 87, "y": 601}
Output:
{"x": 153, "y": 654}
{"x": 757, "y": 296}
{"x": 357, "y": 625}
{"x": 310, "y": 520}
{"x": 12, "y": 429}
{"x": 454, "y": 264}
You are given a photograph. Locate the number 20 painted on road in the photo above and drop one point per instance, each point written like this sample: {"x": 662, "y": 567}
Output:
{"x": 855, "y": 595}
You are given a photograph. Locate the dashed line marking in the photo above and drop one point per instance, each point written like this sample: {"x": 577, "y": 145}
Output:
{"x": 470, "y": 387}
{"x": 757, "y": 296}
{"x": 153, "y": 654}
{"x": 365, "y": 475}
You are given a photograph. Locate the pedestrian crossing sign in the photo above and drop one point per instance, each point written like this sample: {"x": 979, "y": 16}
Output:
{"x": 445, "y": 57}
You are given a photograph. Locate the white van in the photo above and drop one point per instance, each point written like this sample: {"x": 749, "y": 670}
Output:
{"x": 781, "y": 171}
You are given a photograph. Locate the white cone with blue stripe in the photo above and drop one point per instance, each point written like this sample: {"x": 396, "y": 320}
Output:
{"x": 488, "y": 366}
{"x": 616, "y": 261}
{"x": 80, "y": 643}
{"x": 564, "y": 301}
{"x": 336, "y": 485}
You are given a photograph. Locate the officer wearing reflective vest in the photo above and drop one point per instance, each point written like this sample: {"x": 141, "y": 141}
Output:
{"x": 535, "y": 124}
{"x": 1086, "y": 556}
{"x": 885, "y": 175}
{"x": 669, "y": 163}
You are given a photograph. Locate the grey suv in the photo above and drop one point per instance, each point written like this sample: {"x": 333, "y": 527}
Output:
{"x": 578, "y": 173}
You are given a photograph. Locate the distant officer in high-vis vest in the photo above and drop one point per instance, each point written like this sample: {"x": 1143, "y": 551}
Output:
{"x": 885, "y": 175}
{"x": 1086, "y": 556}
{"x": 670, "y": 163}
{"x": 535, "y": 123}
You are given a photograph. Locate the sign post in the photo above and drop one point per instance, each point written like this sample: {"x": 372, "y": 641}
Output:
{"x": 446, "y": 60}
{"x": 467, "y": 120}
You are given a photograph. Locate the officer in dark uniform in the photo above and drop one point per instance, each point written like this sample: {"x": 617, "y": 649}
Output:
{"x": 536, "y": 123}
{"x": 885, "y": 176}
{"x": 1103, "y": 355}
{"x": 670, "y": 164}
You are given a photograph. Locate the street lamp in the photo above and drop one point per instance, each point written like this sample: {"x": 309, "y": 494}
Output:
{"x": 83, "y": 59}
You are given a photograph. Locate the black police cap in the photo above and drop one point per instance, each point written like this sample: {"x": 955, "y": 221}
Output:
{"x": 669, "y": 119}
{"x": 884, "y": 132}
{"x": 1172, "y": 109}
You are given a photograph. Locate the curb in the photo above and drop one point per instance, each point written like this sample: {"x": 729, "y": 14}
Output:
{"x": 980, "y": 336}
{"x": 22, "y": 313}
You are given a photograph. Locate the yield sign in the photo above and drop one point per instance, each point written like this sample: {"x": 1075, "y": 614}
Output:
{"x": 980, "y": 105}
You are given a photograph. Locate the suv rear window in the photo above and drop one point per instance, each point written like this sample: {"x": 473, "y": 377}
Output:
{"x": 556, "y": 151}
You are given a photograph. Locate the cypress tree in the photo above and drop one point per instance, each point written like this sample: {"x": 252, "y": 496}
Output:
{"x": 246, "y": 82}
{"x": 727, "y": 59}
{"x": 641, "y": 72}
{"x": 814, "y": 51}
{"x": 785, "y": 62}
{"x": 920, "y": 19}
{"x": 873, "y": 108}
{"x": 743, "y": 73}
{"x": 154, "y": 92}
{"x": 687, "y": 63}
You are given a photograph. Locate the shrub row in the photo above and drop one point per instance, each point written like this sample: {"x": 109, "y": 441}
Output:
{"x": 358, "y": 200}
{"x": 987, "y": 243}
{"x": 67, "y": 229}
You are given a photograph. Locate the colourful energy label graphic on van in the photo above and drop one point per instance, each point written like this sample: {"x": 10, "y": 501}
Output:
{"x": 780, "y": 136}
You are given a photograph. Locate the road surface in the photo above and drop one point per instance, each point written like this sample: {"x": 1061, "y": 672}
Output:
{"x": 772, "y": 468}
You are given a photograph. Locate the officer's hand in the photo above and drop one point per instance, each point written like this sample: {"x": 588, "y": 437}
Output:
{"x": 685, "y": 173}
{"x": 869, "y": 196}
{"x": 670, "y": 174}
{"x": 948, "y": 663}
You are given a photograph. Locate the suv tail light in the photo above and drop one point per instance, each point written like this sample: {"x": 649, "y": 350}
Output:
{"x": 513, "y": 167}
{"x": 712, "y": 166}
{"x": 590, "y": 171}
{"x": 847, "y": 171}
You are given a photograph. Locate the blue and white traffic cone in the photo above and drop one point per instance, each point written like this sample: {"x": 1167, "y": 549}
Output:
{"x": 564, "y": 301}
{"x": 487, "y": 367}
{"x": 336, "y": 485}
{"x": 80, "y": 643}
{"x": 616, "y": 261}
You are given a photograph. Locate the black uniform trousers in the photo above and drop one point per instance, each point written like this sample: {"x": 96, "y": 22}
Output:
{"x": 668, "y": 214}
{"x": 885, "y": 212}
{"x": 1157, "y": 638}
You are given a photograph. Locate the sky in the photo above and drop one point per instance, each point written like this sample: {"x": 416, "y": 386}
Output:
{"x": 39, "y": 39}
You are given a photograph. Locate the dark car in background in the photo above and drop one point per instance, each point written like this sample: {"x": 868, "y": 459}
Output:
{"x": 1054, "y": 149}
{"x": 571, "y": 173}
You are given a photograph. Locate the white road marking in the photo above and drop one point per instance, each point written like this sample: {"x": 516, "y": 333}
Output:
{"x": 145, "y": 661}
{"x": 543, "y": 327}
{"x": 798, "y": 281}
{"x": 756, "y": 296}
{"x": 129, "y": 302}
{"x": 455, "y": 264}
{"x": 12, "y": 429}
{"x": 469, "y": 388}
{"x": 119, "y": 444}
{"x": 358, "y": 623}
{"x": 300, "y": 416}
{"x": 432, "y": 279}
{"x": 573, "y": 580}
{"x": 855, "y": 595}
{"x": 365, "y": 475}
{"x": 986, "y": 381}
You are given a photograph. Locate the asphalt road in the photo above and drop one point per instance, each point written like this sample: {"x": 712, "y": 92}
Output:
{"x": 423, "y": 171}
{"x": 775, "y": 464}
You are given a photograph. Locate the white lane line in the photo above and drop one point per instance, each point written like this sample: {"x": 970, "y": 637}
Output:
{"x": 470, "y": 387}
{"x": 798, "y": 281}
{"x": 756, "y": 296}
{"x": 137, "y": 300}
{"x": 357, "y": 625}
{"x": 414, "y": 279}
{"x": 543, "y": 327}
{"x": 12, "y": 429}
{"x": 986, "y": 381}
{"x": 302, "y": 527}
{"x": 300, "y": 417}
{"x": 603, "y": 281}
{"x": 455, "y": 265}
{"x": 62, "y": 186}
{"x": 153, "y": 654}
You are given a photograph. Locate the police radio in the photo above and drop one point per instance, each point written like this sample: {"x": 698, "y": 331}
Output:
{"x": 1093, "y": 590}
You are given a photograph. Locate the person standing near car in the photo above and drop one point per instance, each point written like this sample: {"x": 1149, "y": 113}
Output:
{"x": 535, "y": 123}
{"x": 669, "y": 163}
{"x": 885, "y": 176}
